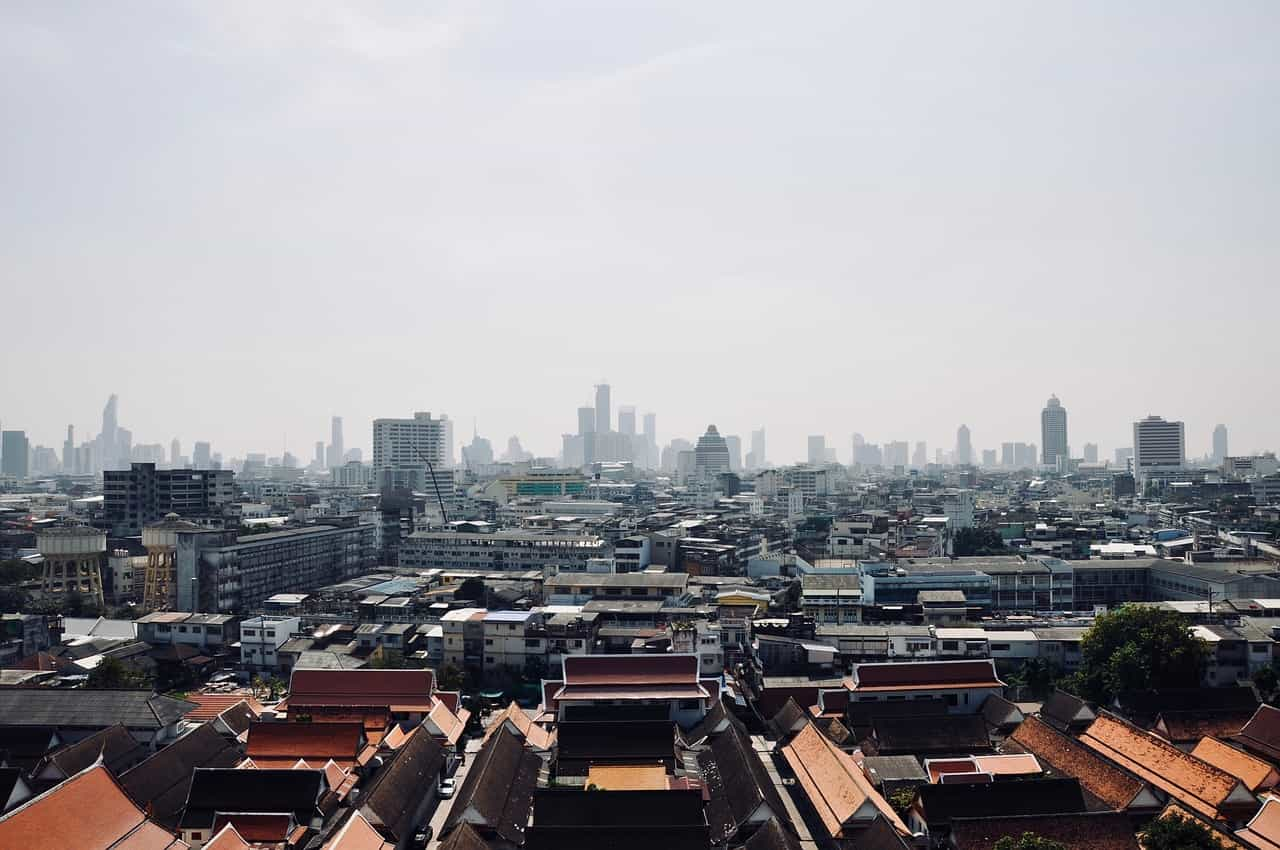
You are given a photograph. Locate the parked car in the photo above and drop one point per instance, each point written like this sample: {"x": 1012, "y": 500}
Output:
{"x": 446, "y": 788}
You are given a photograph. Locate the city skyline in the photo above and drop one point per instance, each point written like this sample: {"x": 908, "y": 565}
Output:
{"x": 870, "y": 174}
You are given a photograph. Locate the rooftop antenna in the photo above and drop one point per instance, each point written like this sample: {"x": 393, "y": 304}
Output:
{"x": 444, "y": 516}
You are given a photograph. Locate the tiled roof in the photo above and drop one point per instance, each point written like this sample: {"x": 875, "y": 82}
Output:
{"x": 925, "y": 675}
{"x": 209, "y": 706}
{"x": 790, "y": 718}
{"x": 356, "y": 834}
{"x": 227, "y": 839}
{"x": 464, "y": 837}
{"x": 1261, "y": 734}
{"x": 214, "y": 790}
{"x": 118, "y": 750}
{"x": 1183, "y": 727}
{"x": 1063, "y": 710}
{"x": 93, "y": 709}
{"x": 405, "y": 690}
{"x": 160, "y": 783}
{"x": 498, "y": 789}
{"x": 1094, "y": 830}
{"x": 398, "y": 790}
{"x": 942, "y": 803}
{"x": 1198, "y": 785}
{"x": 1263, "y": 831}
{"x": 448, "y": 725}
{"x": 738, "y": 783}
{"x": 1175, "y": 809}
{"x": 280, "y": 744}
{"x": 1000, "y": 713}
{"x": 610, "y": 670}
{"x": 1253, "y": 772}
{"x": 834, "y": 784}
{"x": 87, "y": 812}
{"x": 772, "y": 836}
{"x": 257, "y": 828}
{"x": 1100, "y": 779}
{"x": 955, "y": 733}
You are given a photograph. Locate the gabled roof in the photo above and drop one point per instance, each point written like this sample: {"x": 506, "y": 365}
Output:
{"x": 1000, "y": 713}
{"x": 26, "y": 743}
{"x": 1261, "y": 734}
{"x": 464, "y": 837}
{"x": 738, "y": 783}
{"x": 952, "y": 733}
{"x": 714, "y": 721}
{"x": 1198, "y": 785}
{"x": 280, "y": 744}
{"x": 356, "y": 834}
{"x": 1263, "y": 831}
{"x": 1066, "y": 711}
{"x": 89, "y": 709}
{"x": 160, "y": 783}
{"x": 1253, "y": 772}
{"x": 293, "y": 792}
{"x": 87, "y": 812}
{"x": 497, "y": 793}
{"x": 1102, "y": 781}
{"x": 397, "y": 791}
{"x": 1150, "y": 703}
{"x": 1184, "y": 727}
{"x": 209, "y": 706}
{"x": 600, "y": 677}
{"x": 924, "y": 675}
{"x": 446, "y": 725}
{"x": 619, "y": 820}
{"x": 836, "y": 787}
{"x": 772, "y": 836}
{"x": 942, "y": 803}
{"x": 789, "y": 719}
{"x": 1094, "y": 830}
{"x": 396, "y": 690}
{"x": 118, "y": 750}
{"x": 227, "y": 838}
{"x": 514, "y": 717}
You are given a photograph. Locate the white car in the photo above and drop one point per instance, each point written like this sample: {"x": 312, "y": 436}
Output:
{"x": 446, "y": 789}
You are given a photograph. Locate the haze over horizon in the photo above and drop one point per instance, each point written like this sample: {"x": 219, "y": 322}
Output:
{"x": 245, "y": 218}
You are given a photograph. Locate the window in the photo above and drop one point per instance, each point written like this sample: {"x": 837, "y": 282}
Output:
{"x": 999, "y": 647}
{"x": 951, "y": 644}
{"x": 488, "y": 641}
{"x": 182, "y": 630}
{"x": 488, "y": 659}
{"x": 247, "y": 632}
{"x": 271, "y": 633}
{"x": 532, "y": 643}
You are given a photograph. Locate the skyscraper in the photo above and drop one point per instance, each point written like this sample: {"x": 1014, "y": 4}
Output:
{"x": 1219, "y": 443}
{"x": 201, "y": 455}
{"x": 318, "y": 460}
{"x": 14, "y": 450}
{"x": 175, "y": 453}
{"x": 710, "y": 456}
{"x": 1158, "y": 444}
{"x": 69, "y": 451}
{"x": 734, "y": 443}
{"x": 651, "y": 439}
{"x": 586, "y": 420}
{"x": 604, "y": 418}
{"x": 817, "y": 450}
{"x": 1090, "y": 452}
{"x": 337, "y": 450}
{"x": 920, "y": 457}
{"x": 964, "y": 446}
{"x": 756, "y": 459}
{"x": 1053, "y": 432}
{"x": 627, "y": 420}
{"x": 402, "y": 449}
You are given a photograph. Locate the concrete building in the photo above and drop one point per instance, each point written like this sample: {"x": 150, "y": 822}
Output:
{"x": 1053, "y": 433}
{"x": 711, "y": 456}
{"x": 1090, "y": 452}
{"x": 261, "y": 639}
{"x": 604, "y": 415}
{"x": 509, "y": 549}
{"x": 72, "y": 561}
{"x": 1220, "y": 452}
{"x": 1159, "y": 446}
{"x": 143, "y": 494}
{"x": 817, "y": 450}
{"x": 756, "y": 457}
{"x": 337, "y": 450}
{"x": 403, "y": 449}
{"x": 14, "y": 450}
{"x": 964, "y": 446}
{"x": 212, "y": 634}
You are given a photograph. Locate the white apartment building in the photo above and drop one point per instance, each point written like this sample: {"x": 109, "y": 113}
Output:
{"x": 261, "y": 639}
{"x": 509, "y": 549}
{"x": 403, "y": 447}
{"x": 511, "y": 638}
{"x": 1158, "y": 445}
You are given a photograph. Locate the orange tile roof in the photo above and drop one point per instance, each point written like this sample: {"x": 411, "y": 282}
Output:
{"x": 628, "y": 777}
{"x": 1264, "y": 830}
{"x": 536, "y": 736}
{"x": 87, "y": 812}
{"x": 271, "y": 742}
{"x": 227, "y": 839}
{"x": 257, "y": 827}
{"x": 445, "y": 724}
{"x": 835, "y": 785}
{"x": 357, "y": 834}
{"x": 1195, "y": 783}
{"x": 1098, "y": 777}
{"x": 1010, "y": 764}
{"x": 209, "y": 706}
{"x": 1252, "y": 771}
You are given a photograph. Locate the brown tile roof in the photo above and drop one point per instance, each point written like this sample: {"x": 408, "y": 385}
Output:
{"x": 280, "y": 744}
{"x": 536, "y": 736}
{"x": 1094, "y": 830}
{"x": 118, "y": 750}
{"x": 257, "y": 827}
{"x": 1177, "y": 810}
{"x": 1253, "y": 772}
{"x": 1183, "y": 727}
{"x": 160, "y": 783}
{"x": 87, "y": 812}
{"x": 737, "y": 782}
{"x": 464, "y": 837}
{"x": 1100, "y": 779}
{"x": 1264, "y": 830}
{"x": 1261, "y": 734}
{"x": 628, "y": 777}
{"x": 397, "y": 792}
{"x": 772, "y": 836}
{"x": 356, "y": 834}
{"x": 227, "y": 839}
{"x": 953, "y": 733}
{"x": 924, "y": 675}
{"x": 498, "y": 789}
{"x": 1198, "y": 785}
{"x": 445, "y": 724}
{"x": 397, "y": 690}
{"x": 209, "y": 706}
{"x": 836, "y": 787}
{"x": 607, "y": 670}
{"x": 1063, "y": 710}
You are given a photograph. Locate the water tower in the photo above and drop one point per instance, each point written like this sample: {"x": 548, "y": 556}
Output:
{"x": 72, "y": 561}
{"x": 160, "y": 583}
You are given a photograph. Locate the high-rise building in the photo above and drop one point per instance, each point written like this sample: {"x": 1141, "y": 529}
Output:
{"x": 108, "y": 445}
{"x": 1007, "y": 456}
{"x": 175, "y": 453}
{"x": 651, "y": 439}
{"x": 817, "y": 450}
{"x": 627, "y": 420}
{"x": 479, "y": 453}
{"x": 14, "y": 450}
{"x": 403, "y": 449}
{"x": 1123, "y": 456}
{"x": 69, "y": 452}
{"x": 337, "y": 450}
{"x": 734, "y": 442}
{"x": 896, "y": 453}
{"x": 1219, "y": 443}
{"x": 318, "y": 461}
{"x": 201, "y": 455}
{"x": 988, "y": 458}
{"x": 920, "y": 457}
{"x": 1053, "y": 432}
{"x": 1158, "y": 445}
{"x": 1090, "y": 452}
{"x": 964, "y": 446}
{"x": 604, "y": 418}
{"x": 143, "y": 494}
{"x": 757, "y": 456}
{"x": 586, "y": 420}
{"x": 710, "y": 456}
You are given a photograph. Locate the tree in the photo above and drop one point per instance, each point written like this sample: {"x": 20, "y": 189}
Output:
{"x": 1137, "y": 649}
{"x": 472, "y": 589}
{"x": 1174, "y": 832}
{"x": 451, "y": 677}
{"x": 901, "y": 800}
{"x": 13, "y": 600}
{"x": 1038, "y": 676}
{"x": 1267, "y": 681}
{"x": 1029, "y": 841}
{"x": 16, "y": 571}
{"x": 977, "y": 541}
{"x": 113, "y": 674}
{"x": 535, "y": 668}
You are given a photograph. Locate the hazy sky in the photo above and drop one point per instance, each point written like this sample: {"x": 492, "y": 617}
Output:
{"x": 888, "y": 218}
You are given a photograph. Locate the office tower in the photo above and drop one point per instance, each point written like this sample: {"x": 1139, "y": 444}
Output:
{"x": 336, "y": 455}
{"x": 1157, "y": 444}
{"x": 672, "y": 452}
{"x": 938, "y": 457}
{"x": 651, "y": 439}
{"x": 200, "y": 455}
{"x": 586, "y": 420}
{"x": 627, "y": 420}
{"x": 604, "y": 420}
{"x": 988, "y": 458}
{"x": 755, "y": 457}
{"x": 964, "y": 446}
{"x": 734, "y": 442}
{"x": 920, "y": 457}
{"x": 318, "y": 461}
{"x": 1123, "y": 456}
{"x": 1090, "y": 452}
{"x": 175, "y": 453}
{"x": 817, "y": 450}
{"x": 896, "y": 453}
{"x": 1219, "y": 443}
{"x": 447, "y": 424}
{"x": 69, "y": 451}
{"x": 14, "y": 450}
{"x": 480, "y": 453}
{"x": 108, "y": 447}
{"x": 403, "y": 448}
{"x": 1007, "y": 455}
{"x": 711, "y": 456}
{"x": 143, "y": 494}
{"x": 1053, "y": 432}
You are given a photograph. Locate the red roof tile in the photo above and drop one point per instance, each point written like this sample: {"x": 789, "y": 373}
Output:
{"x": 605, "y": 670}
{"x": 407, "y": 690}
{"x": 924, "y": 675}
{"x": 272, "y": 742}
